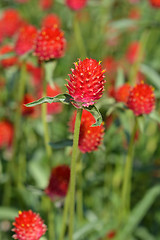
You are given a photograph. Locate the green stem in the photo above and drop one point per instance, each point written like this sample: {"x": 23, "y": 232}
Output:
{"x": 79, "y": 191}
{"x": 44, "y": 121}
{"x": 126, "y": 188}
{"x": 73, "y": 172}
{"x": 64, "y": 220}
{"x": 79, "y": 39}
{"x": 51, "y": 233}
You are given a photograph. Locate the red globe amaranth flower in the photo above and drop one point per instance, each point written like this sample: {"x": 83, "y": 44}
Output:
{"x": 86, "y": 83}
{"x": 10, "y": 61}
{"x": 141, "y": 99}
{"x": 11, "y": 22}
{"x": 111, "y": 234}
{"x": 155, "y": 3}
{"x": 76, "y": 4}
{"x": 46, "y": 4}
{"x": 59, "y": 182}
{"x": 90, "y": 137}
{"x": 122, "y": 93}
{"x": 50, "y": 44}
{"x": 53, "y": 108}
{"x": 51, "y": 20}
{"x": 28, "y": 226}
{"x": 6, "y": 133}
{"x": 36, "y": 73}
{"x": 26, "y": 38}
{"x": 133, "y": 52}
{"x": 28, "y": 111}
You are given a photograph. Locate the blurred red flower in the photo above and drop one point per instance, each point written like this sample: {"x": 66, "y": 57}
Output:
{"x": 76, "y": 4}
{"x": 141, "y": 99}
{"x": 6, "y": 133}
{"x": 133, "y": 52}
{"x": 25, "y": 40}
{"x": 59, "y": 182}
{"x": 50, "y": 43}
{"x": 122, "y": 93}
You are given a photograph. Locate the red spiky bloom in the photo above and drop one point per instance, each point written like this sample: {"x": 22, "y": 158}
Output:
{"x": 51, "y": 20}
{"x": 6, "y": 133}
{"x": 50, "y": 43}
{"x": 28, "y": 111}
{"x": 10, "y": 61}
{"x": 12, "y": 22}
{"x": 26, "y": 38}
{"x": 28, "y": 226}
{"x": 133, "y": 52}
{"x": 155, "y": 3}
{"x": 90, "y": 137}
{"x": 59, "y": 182}
{"x": 141, "y": 99}
{"x": 76, "y": 4}
{"x": 86, "y": 83}
{"x": 45, "y": 4}
{"x": 122, "y": 93}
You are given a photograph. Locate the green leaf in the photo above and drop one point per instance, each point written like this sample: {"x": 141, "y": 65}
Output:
{"x": 63, "y": 98}
{"x": 140, "y": 121}
{"x": 123, "y": 23}
{"x": 61, "y": 144}
{"x": 138, "y": 213}
{"x": 155, "y": 116}
{"x": 8, "y": 213}
{"x": 96, "y": 114}
{"x": 151, "y": 74}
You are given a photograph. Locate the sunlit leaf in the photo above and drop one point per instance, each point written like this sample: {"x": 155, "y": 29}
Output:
{"x": 8, "y": 213}
{"x": 63, "y": 98}
{"x": 153, "y": 76}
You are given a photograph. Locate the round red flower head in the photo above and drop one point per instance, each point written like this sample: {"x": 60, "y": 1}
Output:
{"x": 86, "y": 83}
{"x": 155, "y": 3}
{"x": 11, "y": 22}
{"x": 141, "y": 99}
{"x": 50, "y": 43}
{"x": 90, "y": 137}
{"x": 46, "y": 4}
{"x": 6, "y": 133}
{"x": 76, "y": 4}
{"x": 59, "y": 182}
{"x": 28, "y": 226}
{"x": 122, "y": 93}
{"x": 26, "y": 38}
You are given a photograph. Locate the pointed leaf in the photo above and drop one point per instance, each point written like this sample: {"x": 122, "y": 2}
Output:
{"x": 49, "y": 70}
{"x": 63, "y": 98}
{"x": 153, "y": 76}
{"x": 96, "y": 114}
